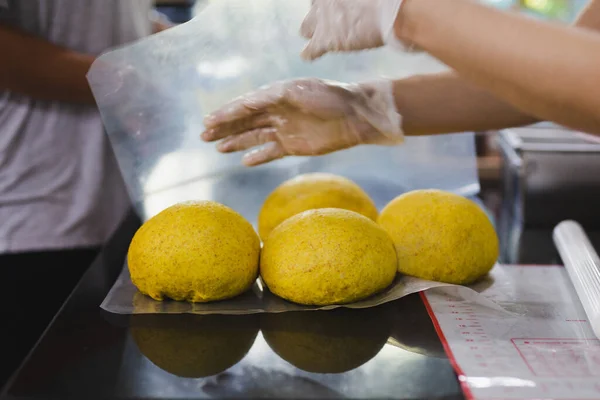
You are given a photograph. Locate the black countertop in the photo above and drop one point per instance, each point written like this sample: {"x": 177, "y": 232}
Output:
{"x": 386, "y": 352}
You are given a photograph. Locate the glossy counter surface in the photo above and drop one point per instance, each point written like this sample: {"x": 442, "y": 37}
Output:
{"x": 387, "y": 352}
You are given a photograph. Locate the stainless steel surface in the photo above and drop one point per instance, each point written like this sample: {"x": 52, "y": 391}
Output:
{"x": 550, "y": 139}
{"x": 550, "y": 174}
{"x": 583, "y": 266}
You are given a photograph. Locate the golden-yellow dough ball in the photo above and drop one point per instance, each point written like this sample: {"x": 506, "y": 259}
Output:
{"x": 311, "y": 191}
{"x": 327, "y": 256}
{"x": 195, "y": 251}
{"x": 440, "y": 236}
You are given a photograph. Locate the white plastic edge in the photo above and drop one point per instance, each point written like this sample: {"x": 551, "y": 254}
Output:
{"x": 583, "y": 267}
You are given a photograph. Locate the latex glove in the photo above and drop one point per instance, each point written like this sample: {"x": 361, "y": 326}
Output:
{"x": 306, "y": 117}
{"x": 348, "y": 25}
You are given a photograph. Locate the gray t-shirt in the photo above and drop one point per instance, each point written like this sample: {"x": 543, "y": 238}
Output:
{"x": 60, "y": 186}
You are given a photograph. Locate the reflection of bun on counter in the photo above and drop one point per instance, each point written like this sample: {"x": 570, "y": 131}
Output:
{"x": 194, "y": 346}
{"x": 327, "y": 341}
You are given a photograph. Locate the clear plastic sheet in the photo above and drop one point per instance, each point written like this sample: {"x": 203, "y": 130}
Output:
{"x": 124, "y": 298}
{"x": 153, "y": 94}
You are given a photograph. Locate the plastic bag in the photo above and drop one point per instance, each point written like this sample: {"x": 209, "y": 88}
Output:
{"x": 153, "y": 94}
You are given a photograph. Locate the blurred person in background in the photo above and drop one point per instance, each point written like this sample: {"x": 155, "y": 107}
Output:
{"x": 507, "y": 70}
{"x": 61, "y": 192}
{"x": 177, "y": 11}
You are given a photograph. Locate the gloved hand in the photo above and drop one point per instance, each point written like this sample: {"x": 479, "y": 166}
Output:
{"x": 306, "y": 117}
{"x": 347, "y": 25}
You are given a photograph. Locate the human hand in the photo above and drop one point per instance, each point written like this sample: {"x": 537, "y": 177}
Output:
{"x": 305, "y": 117}
{"x": 348, "y": 25}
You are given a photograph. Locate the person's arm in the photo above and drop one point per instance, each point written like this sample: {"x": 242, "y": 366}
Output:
{"x": 447, "y": 103}
{"x": 41, "y": 70}
{"x": 589, "y": 18}
{"x": 545, "y": 70}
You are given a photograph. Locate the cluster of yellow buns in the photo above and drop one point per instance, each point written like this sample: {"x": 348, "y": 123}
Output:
{"x": 324, "y": 243}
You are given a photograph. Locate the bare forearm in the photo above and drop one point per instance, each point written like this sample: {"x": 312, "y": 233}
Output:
{"x": 41, "y": 70}
{"x": 544, "y": 70}
{"x": 447, "y": 103}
